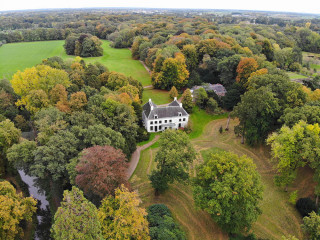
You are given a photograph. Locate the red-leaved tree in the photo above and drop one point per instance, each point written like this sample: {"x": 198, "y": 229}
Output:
{"x": 101, "y": 170}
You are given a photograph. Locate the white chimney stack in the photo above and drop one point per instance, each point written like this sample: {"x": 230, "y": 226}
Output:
{"x": 175, "y": 98}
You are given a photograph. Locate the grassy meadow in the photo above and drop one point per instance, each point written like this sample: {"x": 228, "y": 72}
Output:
{"x": 18, "y": 56}
{"x": 279, "y": 217}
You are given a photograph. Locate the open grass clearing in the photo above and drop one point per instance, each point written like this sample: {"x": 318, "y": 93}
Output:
{"x": 294, "y": 76}
{"x": 158, "y": 96}
{"x": 18, "y": 56}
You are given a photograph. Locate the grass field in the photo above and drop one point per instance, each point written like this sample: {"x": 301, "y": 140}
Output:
{"x": 18, "y": 56}
{"x": 279, "y": 217}
{"x": 293, "y": 75}
{"x": 158, "y": 96}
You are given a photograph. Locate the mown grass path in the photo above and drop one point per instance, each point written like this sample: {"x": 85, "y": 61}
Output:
{"x": 279, "y": 217}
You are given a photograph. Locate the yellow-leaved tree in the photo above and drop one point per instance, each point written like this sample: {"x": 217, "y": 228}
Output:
{"x": 41, "y": 79}
{"x": 122, "y": 218}
{"x": 13, "y": 208}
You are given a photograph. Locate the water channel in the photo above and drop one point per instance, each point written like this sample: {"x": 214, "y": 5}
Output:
{"x": 43, "y": 212}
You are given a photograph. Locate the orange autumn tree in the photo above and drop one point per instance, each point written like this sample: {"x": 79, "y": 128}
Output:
{"x": 245, "y": 68}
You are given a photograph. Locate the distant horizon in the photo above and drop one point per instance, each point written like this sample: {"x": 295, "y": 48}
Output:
{"x": 305, "y": 7}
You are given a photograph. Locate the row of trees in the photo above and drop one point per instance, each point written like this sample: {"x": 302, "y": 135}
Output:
{"x": 83, "y": 45}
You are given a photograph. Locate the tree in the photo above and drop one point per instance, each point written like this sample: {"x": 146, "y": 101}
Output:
{"x": 212, "y": 105}
{"x": 21, "y": 155}
{"x": 84, "y": 45}
{"x": 201, "y": 97}
{"x": 245, "y": 67}
{"x": 293, "y": 148}
{"x": 78, "y": 101}
{"x": 13, "y": 209}
{"x": 175, "y": 154}
{"x": 258, "y": 112}
{"x": 76, "y": 218}
{"x": 52, "y": 158}
{"x": 173, "y": 92}
{"x": 191, "y": 55}
{"x": 268, "y": 50}
{"x": 229, "y": 188}
{"x": 101, "y": 170}
{"x": 309, "y": 114}
{"x": 187, "y": 101}
{"x": 228, "y": 69}
{"x": 173, "y": 73}
{"x": 121, "y": 217}
{"x": 9, "y": 135}
{"x": 311, "y": 225}
{"x": 40, "y": 79}
{"x": 162, "y": 225}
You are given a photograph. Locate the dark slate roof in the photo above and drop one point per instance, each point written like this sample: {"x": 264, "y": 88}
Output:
{"x": 167, "y": 112}
{"x": 175, "y": 103}
{"x": 217, "y": 88}
{"x": 147, "y": 107}
{"x": 172, "y": 110}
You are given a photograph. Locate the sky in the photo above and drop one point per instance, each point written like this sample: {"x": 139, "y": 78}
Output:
{"x": 305, "y": 6}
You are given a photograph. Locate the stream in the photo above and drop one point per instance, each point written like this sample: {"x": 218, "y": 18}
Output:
{"x": 43, "y": 212}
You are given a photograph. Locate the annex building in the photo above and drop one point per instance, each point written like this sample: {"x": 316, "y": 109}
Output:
{"x": 159, "y": 118}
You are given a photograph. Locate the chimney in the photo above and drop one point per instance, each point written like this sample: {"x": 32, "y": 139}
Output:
{"x": 151, "y": 107}
{"x": 180, "y": 104}
{"x": 150, "y": 101}
{"x": 175, "y": 99}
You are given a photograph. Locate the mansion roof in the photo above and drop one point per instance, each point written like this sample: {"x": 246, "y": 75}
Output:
{"x": 151, "y": 110}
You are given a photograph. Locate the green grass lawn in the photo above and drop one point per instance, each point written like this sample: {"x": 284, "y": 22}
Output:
{"x": 293, "y": 75}
{"x": 199, "y": 119}
{"x": 18, "y": 56}
{"x": 315, "y": 66}
{"x": 158, "y": 96}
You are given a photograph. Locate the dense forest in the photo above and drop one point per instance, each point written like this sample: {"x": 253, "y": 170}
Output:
{"x": 75, "y": 125}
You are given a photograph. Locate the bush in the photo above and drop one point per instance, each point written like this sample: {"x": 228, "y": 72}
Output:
{"x": 142, "y": 134}
{"x": 161, "y": 224}
{"x": 305, "y": 206}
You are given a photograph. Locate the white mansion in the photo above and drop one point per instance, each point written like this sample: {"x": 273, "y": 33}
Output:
{"x": 157, "y": 119}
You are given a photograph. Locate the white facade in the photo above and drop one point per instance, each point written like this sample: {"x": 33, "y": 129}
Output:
{"x": 160, "y": 124}
{"x": 157, "y": 119}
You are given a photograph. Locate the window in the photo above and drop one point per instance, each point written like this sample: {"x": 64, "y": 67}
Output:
{"x": 159, "y": 127}
{"x": 165, "y": 121}
{"x": 151, "y": 128}
{"x": 156, "y": 116}
{"x": 165, "y": 128}
{"x": 151, "y": 122}
{"x": 184, "y": 119}
{"x": 156, "y": 122}
{"x": 160, "y": 122}
{"x": 179, "y": 119}
{"x": 180, "y": 114}
{"x": 170, "y": 120}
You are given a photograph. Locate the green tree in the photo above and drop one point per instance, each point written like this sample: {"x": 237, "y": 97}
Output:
{"x": 121, "y": 217}
{"x": 76, "y": 218}
{"x": 229, "y": 188}
{"x": 228, "y": 69}
{"x": 21, "y": 155}
{"x": 307, "y": 113}
{"x": 187, "y": 101}
{"x": 173, "y": 158}
{"x": 212, "y": 105}
{"x": 9, "y": 135}
{"x": 13, "y": 209}
{"x": 190, "y": 52}
{"x": 201, "y": 97}
{"x": 162, "y": 225}
{"x": 258, "y": 112}
{"x": 311, "y": 225}
{"x": 52, "y": 158}
{"x": 293, "y": 148}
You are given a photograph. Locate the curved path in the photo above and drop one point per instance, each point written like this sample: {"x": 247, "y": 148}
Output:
{"x": 136, "y": 156}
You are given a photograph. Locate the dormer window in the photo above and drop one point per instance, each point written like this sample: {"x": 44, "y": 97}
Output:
{"x": 155, "y": 116}
{"x": 180, "y": 114}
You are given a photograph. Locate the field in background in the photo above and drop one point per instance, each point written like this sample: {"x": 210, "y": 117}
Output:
{"x": 18, "y": 56}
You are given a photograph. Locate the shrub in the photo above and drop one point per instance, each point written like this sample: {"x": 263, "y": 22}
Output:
{"x": 161, "y": 224}
{"x": 293, "y": 197}
{"x": 305, "y": 206}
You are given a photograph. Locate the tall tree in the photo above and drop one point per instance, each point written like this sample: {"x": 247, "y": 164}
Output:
{"x": 101, "y": 170}
{"x": 311, "y": 225}
{"x": 173, "y": 92}
{"x": 229, "y": 188}
{"x": 13, "y": 209}
{"x": 245, "y": 67}
{"x": 122, "y": 218}
{"x": 76, "y": 218}
{"x": 258, "y": 112}
{"x": 173, "y": 158}
{"x": 187, "y": 101}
